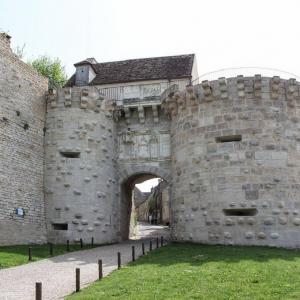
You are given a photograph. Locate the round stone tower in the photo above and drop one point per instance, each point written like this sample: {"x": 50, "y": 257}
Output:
{"x": 235, "y": 161}
{"x": 80, "y": 167}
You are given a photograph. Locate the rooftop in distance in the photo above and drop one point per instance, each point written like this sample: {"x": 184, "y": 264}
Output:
{"x": 155, "y": 68}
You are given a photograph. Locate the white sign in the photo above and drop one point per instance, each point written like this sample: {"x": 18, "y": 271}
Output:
{"x": 20, "y": 212}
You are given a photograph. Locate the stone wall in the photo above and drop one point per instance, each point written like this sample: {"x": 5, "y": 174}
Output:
{"x": 235, "y": 162}
{"x": 80, "y": 172}
{"x": 230, "y": 150}
{"x": 22, "y": 117}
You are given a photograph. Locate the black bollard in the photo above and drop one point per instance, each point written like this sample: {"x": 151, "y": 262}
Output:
{"x": 150, "y": 246}
{"x": 51, "y": 249}
{"x": 77, "y": 279}
{"x": 38, "y": 291}
{"x": 119, "y": 260}
{"x": 81, "y": 243}
{"x": 161, "y": 240}
{"x": 68, "y": 245}
{"x": 157, "y": 242}
{"x": 143, "y": 248}
{"x": 133, "y": 253}
{"x": 100, "y": 272}
{"x": 92, "y": 241}
{"x": 29, "y": 253}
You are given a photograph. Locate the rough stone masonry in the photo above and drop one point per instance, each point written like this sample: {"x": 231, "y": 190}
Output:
{"x": 229, "y": 150}
{"x": 22, "y": 119}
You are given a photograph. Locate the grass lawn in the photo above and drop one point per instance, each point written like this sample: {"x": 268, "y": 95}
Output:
{"x": 11, "y": 256}
{"x": 189, "y": 271}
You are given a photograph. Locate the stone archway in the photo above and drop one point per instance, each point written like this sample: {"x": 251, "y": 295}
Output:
{"x": 129, "y": 171}
{"x": 128, "y": 178}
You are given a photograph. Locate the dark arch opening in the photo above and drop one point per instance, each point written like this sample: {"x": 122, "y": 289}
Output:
{"x": 128, "y": 209}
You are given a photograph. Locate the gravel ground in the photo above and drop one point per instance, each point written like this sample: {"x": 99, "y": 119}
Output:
{"x": 57, "y": 274}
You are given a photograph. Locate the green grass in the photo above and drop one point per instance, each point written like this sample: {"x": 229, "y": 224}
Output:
{"x": 189, "y": 271}
{"x": 11, "y": 256}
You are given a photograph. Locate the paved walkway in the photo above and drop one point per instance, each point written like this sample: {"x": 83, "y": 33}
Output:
{"x": 58, "y": 273}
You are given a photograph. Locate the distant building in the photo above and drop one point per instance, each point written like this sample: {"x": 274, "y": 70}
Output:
{"x": 136, "y": 80}
{"x": 141, "y": 208}
{"x": 155, "y": 204}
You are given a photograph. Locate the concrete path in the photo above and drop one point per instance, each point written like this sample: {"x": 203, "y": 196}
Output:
{"x": 58, "y": 273}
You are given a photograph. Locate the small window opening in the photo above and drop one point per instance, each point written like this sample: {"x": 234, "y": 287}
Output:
{"x": 229, "y": 138}
{"x": 240, "y": 212}
{"x": 70, "y": 154}
{"x": 60, "y": 226}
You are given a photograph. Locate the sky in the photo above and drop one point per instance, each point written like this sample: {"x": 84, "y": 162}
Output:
{"x": 148, "y": 184}
{"x": 222, "y": 34}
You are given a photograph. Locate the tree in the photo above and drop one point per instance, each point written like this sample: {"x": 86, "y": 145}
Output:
{"x": 52, "y": 69}
{"x": 20, "y": 51}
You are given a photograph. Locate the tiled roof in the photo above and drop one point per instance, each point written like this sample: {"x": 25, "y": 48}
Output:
{"x": 167, "y": 67}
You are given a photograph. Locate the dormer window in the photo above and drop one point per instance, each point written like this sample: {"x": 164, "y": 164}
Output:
{"x": 85, "y": 72}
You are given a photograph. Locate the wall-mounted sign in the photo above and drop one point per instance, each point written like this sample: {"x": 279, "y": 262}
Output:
{"x": 20, "y": 212}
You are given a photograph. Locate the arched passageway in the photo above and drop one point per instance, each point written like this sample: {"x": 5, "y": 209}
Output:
{"x": 138, "y": 206}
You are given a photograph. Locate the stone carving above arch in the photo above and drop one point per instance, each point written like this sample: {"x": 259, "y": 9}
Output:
{"x": 144, "y": 145}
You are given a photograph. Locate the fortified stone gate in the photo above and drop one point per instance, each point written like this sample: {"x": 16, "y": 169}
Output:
{"x": 94, "y": 157}
{"x": 233, "y": 165}
{"x": 105, "y": 132}
{"x": 229, "y": 149}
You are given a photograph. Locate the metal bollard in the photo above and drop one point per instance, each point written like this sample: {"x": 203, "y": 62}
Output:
{"x": 133, "y": 253}
{"x": 150, "y": 246}
{"x": 100, "y": 272}
{"x": 162, "y": 240}
{"x": 119, "y": 260}
{"x": 81, "y": 243}
{"x": 29, "y": 253}
{"x": 92, "y": 241}
{"x": 77, "y": 280}
{"x": 51, "y": 249}
{"x": 38, "y": 291}
{"x": 143, "y": 248}
{"x": 157, "y": 242}
{"x": 68, "y": 245}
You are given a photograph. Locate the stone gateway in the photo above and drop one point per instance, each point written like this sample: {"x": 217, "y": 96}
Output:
{"x": 229, "y": 150}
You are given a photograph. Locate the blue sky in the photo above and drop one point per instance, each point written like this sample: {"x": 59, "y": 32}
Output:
{"x": 223, "y": 34}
